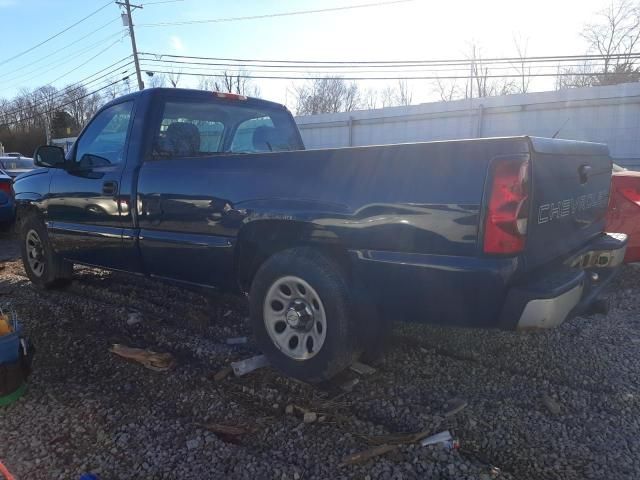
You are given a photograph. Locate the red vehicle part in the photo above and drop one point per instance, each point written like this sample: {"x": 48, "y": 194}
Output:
{"x": 624, "y": 210}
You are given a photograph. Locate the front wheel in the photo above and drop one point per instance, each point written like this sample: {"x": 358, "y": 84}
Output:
{"x": 301, "y": 315}
{"x": 44, "y": 268}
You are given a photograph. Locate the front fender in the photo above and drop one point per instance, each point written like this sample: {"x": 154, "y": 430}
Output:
{"x": 28, "y": 203}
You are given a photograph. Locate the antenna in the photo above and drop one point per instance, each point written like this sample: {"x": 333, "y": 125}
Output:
{"x": 558, "y": 131}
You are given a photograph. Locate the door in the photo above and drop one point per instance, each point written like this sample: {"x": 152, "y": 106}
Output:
{"x": 85, "y": 211}
{"x": 190, "y": 190}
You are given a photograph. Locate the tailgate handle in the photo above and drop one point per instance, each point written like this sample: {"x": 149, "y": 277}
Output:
{"x": 584, "y": 172}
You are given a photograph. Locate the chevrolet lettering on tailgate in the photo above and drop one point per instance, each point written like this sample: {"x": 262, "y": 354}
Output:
{"x": 554, "y": 211}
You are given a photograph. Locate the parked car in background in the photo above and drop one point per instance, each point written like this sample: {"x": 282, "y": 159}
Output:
{"x": 14, "y": 164}
{"x": 624, "y": 209}
{"x": 7, "y": 204}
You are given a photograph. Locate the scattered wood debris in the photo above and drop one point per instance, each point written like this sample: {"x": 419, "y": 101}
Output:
{"x": 159, "y": 362}
{"x": 363, "y": 456}
{"x": 454, "y": 406}
{"x": 362, "y": 368}
{"x": 223, "y": 373}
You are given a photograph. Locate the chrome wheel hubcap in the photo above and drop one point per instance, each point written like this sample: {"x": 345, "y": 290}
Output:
{"x": 295, "y": 318}
{"x": 35, "y": 253}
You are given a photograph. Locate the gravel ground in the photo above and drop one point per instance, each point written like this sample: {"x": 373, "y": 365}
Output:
{"x": 559, "y": 404}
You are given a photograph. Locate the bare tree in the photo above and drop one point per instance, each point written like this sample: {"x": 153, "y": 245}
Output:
{"x": 404, "y": 95}
{"x": 522, "y": 68}
{"x": 576, "y": 77}
{"x": 230, "y": 82}
{"x": 327, "y": 95}
{"x": 80, "y": 104}
{"x": 388, "y": 97}
{"x": 47, "y": 99}
{"x": 615, "y": 34}
{"x": 369, "y": 99}
{"x": 174, "y": 78}
{"x": 447, "y": 91}
{"x": 481, "y": 83}
{"x": 394, "y": 96}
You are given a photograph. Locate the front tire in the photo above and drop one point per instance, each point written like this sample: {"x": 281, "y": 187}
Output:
{"x": 44, "y": 268}
{"x": 301, "y": 315}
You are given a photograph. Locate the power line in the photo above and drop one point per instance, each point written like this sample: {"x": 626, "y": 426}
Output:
{"x": 463, "y": 61}
{"x": 435, "y": 77}
{"x": 72, "y": 88}
{"x": 272, "y": 15}
{"x": 158, "y": 3}
{"x": 56, "y": 63}
{"x": 85, "y": 62}
{"x": 75, "y": 42}
{"x": 24, "y": 52}
{"x": 57, "y": 107}
{"x": 339, "y": 73}
{"x": 321, "y": 68}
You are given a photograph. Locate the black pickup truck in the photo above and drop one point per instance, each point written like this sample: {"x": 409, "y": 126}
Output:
{"x": 330, "y": 245}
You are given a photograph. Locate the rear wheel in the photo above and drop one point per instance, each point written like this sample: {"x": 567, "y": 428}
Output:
{"x": 44, "y": 268}
{"x": 301, "y": 315}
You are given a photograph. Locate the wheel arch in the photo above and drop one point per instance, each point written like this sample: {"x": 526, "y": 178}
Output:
{"x": 26, "y": 205}
{"x": 260, "y": 239}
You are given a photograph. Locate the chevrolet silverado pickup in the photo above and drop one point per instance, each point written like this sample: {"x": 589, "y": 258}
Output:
{"x": 328, "y": 245}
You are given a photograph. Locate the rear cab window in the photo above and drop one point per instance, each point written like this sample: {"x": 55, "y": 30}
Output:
{"x": 192, "y": 128}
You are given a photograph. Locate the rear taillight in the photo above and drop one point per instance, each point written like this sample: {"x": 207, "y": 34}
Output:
{"x": 505, "y": 226}
{"x": 6, "y": 187}
{"x": 629, "y": 188}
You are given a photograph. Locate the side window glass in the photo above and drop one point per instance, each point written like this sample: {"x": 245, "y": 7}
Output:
{"x": 189, "y": 130}
{"x": 103, "y": 142}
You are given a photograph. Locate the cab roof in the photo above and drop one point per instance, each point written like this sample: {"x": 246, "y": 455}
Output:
{"x": 196, "y": 94}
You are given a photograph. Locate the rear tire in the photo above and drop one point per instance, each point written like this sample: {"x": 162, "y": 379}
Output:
{"x": 44, "y": 268}
{"x": 301, "y": 315}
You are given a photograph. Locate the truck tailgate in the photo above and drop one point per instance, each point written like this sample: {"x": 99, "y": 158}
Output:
{"x": 571, "y": 182}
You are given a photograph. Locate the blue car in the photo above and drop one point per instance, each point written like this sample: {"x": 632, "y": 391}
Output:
{"x": 7, "y": 203}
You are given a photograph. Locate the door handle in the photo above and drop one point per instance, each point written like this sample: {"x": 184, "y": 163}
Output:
{"x": 110, "y": 188}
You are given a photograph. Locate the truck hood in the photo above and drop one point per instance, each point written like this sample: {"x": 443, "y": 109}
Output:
{"x": 30, "y": 173}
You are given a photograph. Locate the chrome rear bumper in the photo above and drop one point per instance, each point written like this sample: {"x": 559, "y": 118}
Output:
{"x": 563, "y": 293}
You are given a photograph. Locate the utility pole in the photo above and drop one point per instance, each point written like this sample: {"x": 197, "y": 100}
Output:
{"x": 132, "y": 34}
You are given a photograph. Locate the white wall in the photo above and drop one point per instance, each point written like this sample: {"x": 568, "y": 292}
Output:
{"x": 599, "y": 114}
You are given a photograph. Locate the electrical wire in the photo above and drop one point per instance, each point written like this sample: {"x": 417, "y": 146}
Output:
{"x": 158, "y": 3}
{"x": 316, "y": 68}
{"x": 72, "y": 88}
{"x": 435, "y": 77}
{"x": 464, "y": 61}
{"x": 75, "y": 42}
{"x": 24, "y": 52}
{"x": 57, "y": 107}
{"x": 86, "y": 61}
{"x": 272, "y": 15}
{"x": 6, "y": 82}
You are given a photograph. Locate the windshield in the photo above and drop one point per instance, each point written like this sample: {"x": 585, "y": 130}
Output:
{"x": 13, "y": 163}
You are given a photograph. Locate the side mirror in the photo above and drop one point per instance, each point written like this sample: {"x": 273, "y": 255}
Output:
{"x": 49, "y": 156}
